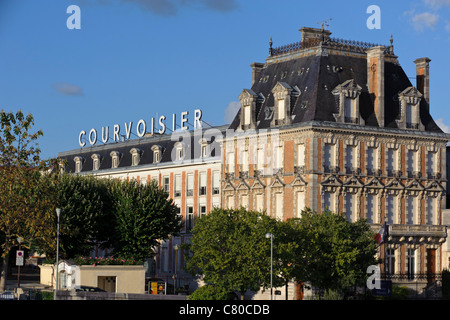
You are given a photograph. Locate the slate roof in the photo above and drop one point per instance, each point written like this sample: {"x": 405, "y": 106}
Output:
{"x": 314, "y": 76}
{"x": 192, "y": 146}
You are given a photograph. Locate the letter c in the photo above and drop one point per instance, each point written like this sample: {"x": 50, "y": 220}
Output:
{"x": 82, "y": 133}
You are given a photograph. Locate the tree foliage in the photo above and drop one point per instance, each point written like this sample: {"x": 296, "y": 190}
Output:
{"x": 143, "y": 214}
{"x": 25, "y": 192}
{"x": 230, "y": 250}
{"x": 333, "y": 252}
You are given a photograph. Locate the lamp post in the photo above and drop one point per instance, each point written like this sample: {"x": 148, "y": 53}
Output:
{"x": 58, "y": 213}
{"x": 175, "y": 247}
{"x": 269, "y": 235}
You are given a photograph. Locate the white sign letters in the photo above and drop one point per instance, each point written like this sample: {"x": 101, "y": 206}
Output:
{"x": 141, "y": 128}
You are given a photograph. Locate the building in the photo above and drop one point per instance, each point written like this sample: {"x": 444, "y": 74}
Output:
{"x": 344, "y": 130}
{"x": 327, "y": 124}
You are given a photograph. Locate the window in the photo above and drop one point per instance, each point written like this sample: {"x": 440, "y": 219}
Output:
{"x": 190, "y": 218}
{"x": 430, "y": 213}
{"x": 350, "y": 206}
{"x": 390, "y": 261}
{"x": 244, "y": 155}
{"x": 202, "y": 211}
{"x": 244, "y": 201}
{"x": 391, "y": 203}
{"x": 391, "y": 161}
{"x": 177, "y": 187}
{"x": 371, "y": 160}
{"x": 202, "y": 187}
{"x": 135, "y": 156}
{"x": 115, "y": 159}
{"x": 371, "y": 208}
{"x": 301, "y": 155}
{"x": 412, "y": 205}
{"x": 281, "y": 109}
{"x": 259, "y": 202}
{"x": 279, "y": 206}
{"x": 96, "y": 160}
{"x": 349, "y": 110}
{"x": 179, "y": 151}
{"x": 216, "y": 182}
{"x": 431, "y": 164}
{"x": 411, "y": 263}
{"x": 300, "y": 203}
{"x": 350, "y": 159}
{"x": 279, "y": 156}
{"x": 261, "y": 159}
{"x": 328, "y": 157}
{"x": 166, "y": 184}
{"x": 230, "y": 161}
{"x": 328, "y": 201}
{"x": 247, "y": 112}
{"x": 190, "y": 185}
{"x": 411, "y": 162}
{"x": 78, "y": 164}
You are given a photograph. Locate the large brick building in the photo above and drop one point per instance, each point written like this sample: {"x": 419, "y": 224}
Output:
{"x": 327, "y": 124}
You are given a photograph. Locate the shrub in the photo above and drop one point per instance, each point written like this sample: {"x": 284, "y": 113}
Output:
{"x": 209, "y": 292}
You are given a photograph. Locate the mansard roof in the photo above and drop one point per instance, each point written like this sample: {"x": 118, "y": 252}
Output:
{"x": 314, "y": 68}
{"x": 147, "y": 145}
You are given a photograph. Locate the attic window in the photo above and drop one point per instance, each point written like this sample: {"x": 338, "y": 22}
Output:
{"x": 79, "y": 161}
{"x": 179, "y": 151}
{"x": 157, "y": 153}
{"x": 96, "y": 160}
{"x": 348, "y": 109}
{"x": 115, "y": 159}
{"x": 410, "y": 109}
{"x": 135, "y": 156}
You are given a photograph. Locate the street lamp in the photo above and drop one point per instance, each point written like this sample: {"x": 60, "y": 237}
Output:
{"x": 58, "y": 213}
{"x": 269, "y": 235}
{"x": 176, "y": 248}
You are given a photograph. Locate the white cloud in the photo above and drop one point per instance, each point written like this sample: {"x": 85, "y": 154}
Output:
{"x": 425, "y": 20}
{"x": 68, "y": 89}
{"x": 442, "y": 125}
{"x": 437, "y": 3}
{"x": 231, "y": 111}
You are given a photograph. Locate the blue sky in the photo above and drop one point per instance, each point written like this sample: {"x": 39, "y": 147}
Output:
{"x": 136, "y": 59}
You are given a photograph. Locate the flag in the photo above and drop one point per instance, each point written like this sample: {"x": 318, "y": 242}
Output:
{"x": 379, "y": 237}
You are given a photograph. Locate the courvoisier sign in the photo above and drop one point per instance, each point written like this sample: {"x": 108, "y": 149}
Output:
{"x": 141, "y": 128}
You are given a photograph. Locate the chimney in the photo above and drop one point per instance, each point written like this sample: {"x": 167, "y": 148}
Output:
{"x": 256, "y": 70}
{"x": 423, "y": 77}
{"x": 375, "y": 80}
{"x": 314, "y": 33}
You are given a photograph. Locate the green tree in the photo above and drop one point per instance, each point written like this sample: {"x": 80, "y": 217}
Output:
{"x": 86, "y": 217}
{"x": 230, "y": 250}
{"x": 334, "y": 253}
{"x": 25, "y": 192}
{"x": 143, "y": 214}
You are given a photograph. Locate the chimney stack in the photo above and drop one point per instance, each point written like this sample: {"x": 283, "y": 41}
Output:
{"x": 256, "y": 70}
{"x": 375, "y": 80}
{"x": 423, "y": 77}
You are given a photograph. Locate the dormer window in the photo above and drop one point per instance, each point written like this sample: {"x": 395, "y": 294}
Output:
{"x": 96, "y": 161}
{"x": 248, "y": 100}
{"x": 348, "y": 110}
{"x": 115, "y": 159}
{"x": 179, "y": 151}
{"x": 79, "y": 161}
{"x": 282, "y": 100}
{"x": 157, "y": 153}
{"x": 410, "y": 109}
{"x": 205, "y": 148}
{"x": 135, "y": 156}
{"x": 62, "y": 167}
